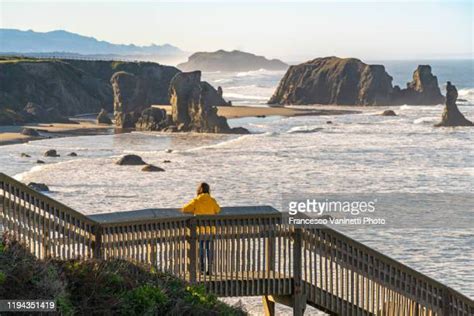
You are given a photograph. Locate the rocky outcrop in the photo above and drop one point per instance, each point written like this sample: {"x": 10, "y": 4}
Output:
{"x": 349, "y": 81}
{"x": 422, "y": 90}
{"x": 103, "y": 117}
{"x": 153, "y": 119}
{"x": 222, "y": 60}
{"x": 152, "y": 168}
{"x": 51, "y": 153}
{"x": 30, "y": 132}
{"x": 71, "y": 86}
{"x": 333, "y": 80}
{"x": 41, "y": 187}
{"x": 134, "y": 92}
{"x": 214, "y": 97}
{"x": 191, "y": 110}
{"x": 130, "y": 160}
{"x": 37, "y": 113}
{"x": 451, "y": 115}
{"x": 388, "y": 113}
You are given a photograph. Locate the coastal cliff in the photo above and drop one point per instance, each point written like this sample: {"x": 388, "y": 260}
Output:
{"x": 71, "y": 86}
{"x": 222, "y": 60}
{"x": 349, "y": 81}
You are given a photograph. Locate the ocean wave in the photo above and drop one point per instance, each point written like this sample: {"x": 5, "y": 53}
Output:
{"x": 244, "y": 96}
{"x": 466, "y": 94}
{"x": 304, "y": 129}
{"x": 236, "y": 140}
{"x": 259, "y": 72}
{"x": 426, "y": 120}
{"x": 419, "y": 107}
{"x": 42, "y": 168}
{"x": 224, "y": 80}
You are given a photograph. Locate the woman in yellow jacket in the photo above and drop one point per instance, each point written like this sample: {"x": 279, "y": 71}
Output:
{"x": 203, "y": 204}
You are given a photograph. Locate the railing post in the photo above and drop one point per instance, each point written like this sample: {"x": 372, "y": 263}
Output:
{"x": 270, "y": 251}
{"x": 97, "y": 251}
{"x": 446, "y": 302}
{"x": 192, "y": 250}
{"x": 299, "y": 298}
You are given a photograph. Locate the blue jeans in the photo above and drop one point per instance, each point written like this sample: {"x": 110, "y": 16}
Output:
{"x": 205, "y": 255}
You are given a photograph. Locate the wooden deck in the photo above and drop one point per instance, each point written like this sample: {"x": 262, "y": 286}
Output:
{"x": 253, "y": 253}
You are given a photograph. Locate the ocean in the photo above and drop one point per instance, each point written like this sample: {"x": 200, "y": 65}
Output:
{"x": 361, "y": 153}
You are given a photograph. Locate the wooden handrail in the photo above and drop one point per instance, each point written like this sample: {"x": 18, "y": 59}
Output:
{"x": 245, "y": 250}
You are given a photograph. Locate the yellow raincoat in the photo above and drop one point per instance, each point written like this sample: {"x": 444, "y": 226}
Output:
{"x": 203, "y": 204}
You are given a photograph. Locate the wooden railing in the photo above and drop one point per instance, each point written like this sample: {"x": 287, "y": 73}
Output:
{"x": 251, "y": 252}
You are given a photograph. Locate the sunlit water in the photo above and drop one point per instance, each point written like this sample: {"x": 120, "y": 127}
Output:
{"x": 356, "y": 153}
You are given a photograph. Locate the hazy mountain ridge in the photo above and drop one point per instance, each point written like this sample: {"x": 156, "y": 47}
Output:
{"x": 235, "y": 60}
{"x": 17, "y": 41}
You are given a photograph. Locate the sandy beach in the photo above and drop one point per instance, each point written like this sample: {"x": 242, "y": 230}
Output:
{"x": 12, "y": 134}
{"x": 236, "y": 111}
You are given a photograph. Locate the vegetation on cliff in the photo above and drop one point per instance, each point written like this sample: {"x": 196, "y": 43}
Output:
{"x": 99, "y": 287}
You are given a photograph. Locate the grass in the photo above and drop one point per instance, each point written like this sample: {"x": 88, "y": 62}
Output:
{"x": 101, "y": 287}
{"x": 18, "y": 59}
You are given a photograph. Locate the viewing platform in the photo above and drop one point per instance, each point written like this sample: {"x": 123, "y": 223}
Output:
{"x": 254, "y": 253}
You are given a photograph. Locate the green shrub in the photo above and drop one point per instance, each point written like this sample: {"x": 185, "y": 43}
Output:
{"x": 144, "y": 300}
{"x": 101, "y": 287}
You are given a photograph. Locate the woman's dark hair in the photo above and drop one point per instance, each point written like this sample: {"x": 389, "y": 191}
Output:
{"x": 203, "y": 188}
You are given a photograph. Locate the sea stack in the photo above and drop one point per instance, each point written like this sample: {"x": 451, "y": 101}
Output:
{"x": 138, "y": 89}
{"x": 191, "y": 107}
{"x": 333, "y": 80}
{"x": 451, "y": 115}
{"x": 422, "y": 90}
{"x": 349, "y": 81}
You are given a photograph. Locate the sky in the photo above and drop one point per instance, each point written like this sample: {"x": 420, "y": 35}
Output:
{"x": 369, "y": 30}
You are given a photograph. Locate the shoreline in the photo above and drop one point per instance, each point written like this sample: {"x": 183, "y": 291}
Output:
{"x": 240, "y": 111}
{"x": 10, "y": 135}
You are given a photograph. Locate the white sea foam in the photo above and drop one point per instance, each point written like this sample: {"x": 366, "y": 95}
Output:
{"x": 467, "y": 94}
{"x": 304, "y": 129}
{"x": 243, "y": 96}
{"x": 426, "y": 120}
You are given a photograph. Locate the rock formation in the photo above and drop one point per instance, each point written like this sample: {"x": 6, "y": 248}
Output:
{"x": 37, "y": 113}
{"x": 51, "y": 153}
{"x": 152, "y": 168}
{"x": 422, "y": 90}
{"x": 388, "y": 113}
{"x": 451, "y": 115}
{"x": 349, "y": 81}
{"x": 103, "y": 117}
{"x": 71, "y": 86}
{"x": 333, "y": 80}
{"x": 130, "y": 160}
{"x": 191, "y": 109}
{"x": 41, "y": 187}
{"x": 30, "y": 132}
{"x": 222, "y": 60}
{"x": 153, "y": 119}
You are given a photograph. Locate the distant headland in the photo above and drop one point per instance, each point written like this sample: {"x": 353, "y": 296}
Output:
{"x": 235, "y": 60}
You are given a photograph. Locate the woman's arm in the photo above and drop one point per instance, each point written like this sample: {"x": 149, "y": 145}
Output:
{"x": 189, "y": 208}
